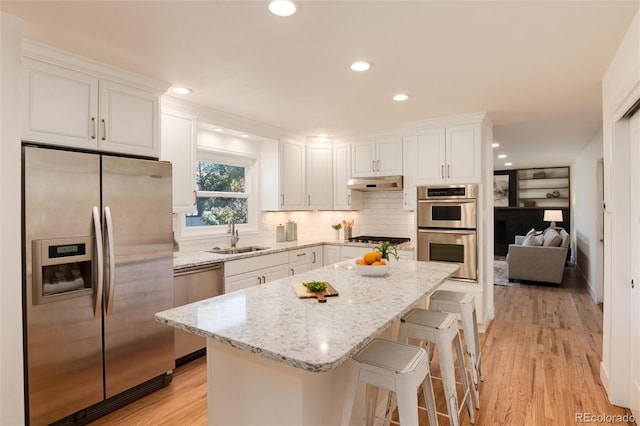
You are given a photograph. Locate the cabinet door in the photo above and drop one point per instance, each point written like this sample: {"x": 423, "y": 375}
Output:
{"x": 292, "y": 175}
{"x": 410, "y": 163}
{"x": 274, "y": 273}
{"x": 241, "y": 281}
{"x": 129, "y": 120}
{"x": 319, "y": 177}
{"x": 363, "y": 155}
{"x": 178, "y": 146}
{"x": 389, "y": 157}
{"x": 317, "y": 257}
{"x": 430, "y": 156}
{"x": 61, "y": 106}
{"x": 298, "y": 268}
{"x": 344, "y": 198}
{"x": 463, "y": 154}
{"x": 330, "y": 255}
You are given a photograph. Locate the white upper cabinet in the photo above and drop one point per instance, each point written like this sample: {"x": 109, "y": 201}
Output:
{"x": 343, "y": 198}
{"x": 448, "y": 155}
{"x": 319, "y": 182}
{"x": 283, "y": 175}
{"x": 61, "y": 106}
{"x": 179, "y": 133}
{"x": 381, "y": 157}
{"x": 128, "y": 120}
{"x": 296, "y": 176}
{"x": 292, "y": 176}
{"x": 66, "y": 103}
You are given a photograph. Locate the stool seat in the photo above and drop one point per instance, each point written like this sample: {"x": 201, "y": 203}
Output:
{"x": 397, "y": 367}
{"x": 433, "y": 319}
{"x": 389, "y": 355}
{"x": 452, "y": 296}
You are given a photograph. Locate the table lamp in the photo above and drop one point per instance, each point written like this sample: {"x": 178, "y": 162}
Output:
{"x": 552, "y": 216}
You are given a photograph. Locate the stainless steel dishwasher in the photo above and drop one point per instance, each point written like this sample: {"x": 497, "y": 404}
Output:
{"x": 191, "y": 285}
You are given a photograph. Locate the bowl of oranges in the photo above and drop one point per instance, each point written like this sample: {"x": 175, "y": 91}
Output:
{"x": 372, "y": 265}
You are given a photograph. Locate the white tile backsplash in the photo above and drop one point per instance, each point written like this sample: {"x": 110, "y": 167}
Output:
{"x": 382, "y": 214}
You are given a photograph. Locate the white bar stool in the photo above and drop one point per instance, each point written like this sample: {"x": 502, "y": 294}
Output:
{"x": 398, "y": 367}
{"x": 462, "y": 303}
{"x": 442, "y": 329}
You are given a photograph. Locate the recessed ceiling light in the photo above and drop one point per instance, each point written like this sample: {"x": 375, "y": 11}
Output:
{"x": 218, "y": 129}
{"x": 502, "y": 156}
{"x": 323, "y": 135}
{"x": 360, "y": 66}
{"x": 495, "y": 145}
{"x": 181, "y": 90}
{"x": 401, "y": 97}
{"x": 244, "y": 135}
{"x": 508, "y": 164}
{"x": 282, "y": 7}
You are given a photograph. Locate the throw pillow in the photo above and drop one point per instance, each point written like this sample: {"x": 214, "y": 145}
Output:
{"x": 531, "y": 232}
{"x": 540, "y": 239}
{"x": 552, "y": 238}
{"x": 565, "y": 239}
{"x": 531, "y": 240}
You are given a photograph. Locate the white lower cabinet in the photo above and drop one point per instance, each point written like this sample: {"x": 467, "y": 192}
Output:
{"x": 244, "y": 273}
{"x": 317, "y": 256}
{"x": 331, "y": 255}
{"x": 299, "y": 261}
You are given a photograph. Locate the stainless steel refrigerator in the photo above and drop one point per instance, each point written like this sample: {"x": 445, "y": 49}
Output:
{"x": 97, "y": 249}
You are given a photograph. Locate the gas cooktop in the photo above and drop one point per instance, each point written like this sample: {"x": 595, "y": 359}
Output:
{"x": 377, "y": 240}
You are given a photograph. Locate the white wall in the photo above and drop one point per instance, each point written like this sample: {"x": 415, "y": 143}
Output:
{"x": 11, "y": 365}
{"x": 585, "y": 207}
{"x": 620, "y": 87}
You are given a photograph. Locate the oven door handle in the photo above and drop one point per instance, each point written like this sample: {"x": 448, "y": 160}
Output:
{"x": 447, "y": 231}
{"x": 435, "y": 202}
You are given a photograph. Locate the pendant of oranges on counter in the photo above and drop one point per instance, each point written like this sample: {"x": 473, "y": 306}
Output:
{"x": 374, "y": 263}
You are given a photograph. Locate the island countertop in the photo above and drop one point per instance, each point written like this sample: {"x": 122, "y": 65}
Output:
{"x": 270, "y": 321}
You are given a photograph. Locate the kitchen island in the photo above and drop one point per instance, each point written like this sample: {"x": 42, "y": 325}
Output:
{"x": 274, "y": 359}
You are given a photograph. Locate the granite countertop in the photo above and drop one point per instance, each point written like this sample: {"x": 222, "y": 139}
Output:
{"x": 193, "y": 259}
{"x": 270, "y": 321}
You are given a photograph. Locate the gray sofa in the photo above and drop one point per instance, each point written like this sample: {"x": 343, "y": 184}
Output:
{"x": 538, "y": 257}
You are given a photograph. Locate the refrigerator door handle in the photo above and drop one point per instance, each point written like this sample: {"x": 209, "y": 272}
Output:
{"x": 98, "y": 229}
{"x": 112, "y": 263}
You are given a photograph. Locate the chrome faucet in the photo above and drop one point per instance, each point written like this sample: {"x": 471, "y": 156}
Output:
{"x": 234, "y": 232}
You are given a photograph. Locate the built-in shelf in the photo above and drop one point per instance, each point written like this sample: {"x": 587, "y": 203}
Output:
{"x": 543, "y": 187}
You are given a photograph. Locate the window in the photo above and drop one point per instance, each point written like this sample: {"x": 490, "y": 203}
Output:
{"x": 223, "y": 191}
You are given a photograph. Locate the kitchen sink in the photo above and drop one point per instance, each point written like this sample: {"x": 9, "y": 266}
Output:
{"x": 237, "y": 250}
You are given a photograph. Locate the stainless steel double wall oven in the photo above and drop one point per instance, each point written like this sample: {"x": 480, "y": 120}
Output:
{"x": 447, "y": 227}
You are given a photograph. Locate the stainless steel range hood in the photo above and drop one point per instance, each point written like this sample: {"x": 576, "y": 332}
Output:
{"x": 388, "y": 183}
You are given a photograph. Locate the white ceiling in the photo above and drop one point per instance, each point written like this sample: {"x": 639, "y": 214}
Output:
{"x": 534, "y": 66}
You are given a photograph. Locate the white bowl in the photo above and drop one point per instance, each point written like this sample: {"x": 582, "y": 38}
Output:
{"x": 372, "y": 271}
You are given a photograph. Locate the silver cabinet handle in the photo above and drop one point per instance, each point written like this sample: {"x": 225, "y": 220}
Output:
{"x": 442, "y": 171}
{"x": 104, "y": 130}
{"x": 112, "y": 262}
{"x": 377, "y": 165}
{"x": 405, "y": 198}
{"x": 292, "y": 272}
{"x": 99, "y": 254}
{"x": 259, "y": 280}
{"x": 348, "y": 199}
{"x": 373, "y": 165}
{"x": 264, "y": 280}
{"x": 94, "y": 127}
{"x": 301, "y": 254}
{"x": 448, "y": 170}
{"x": 314, "y": 257}
{"x": 195, "y": 197}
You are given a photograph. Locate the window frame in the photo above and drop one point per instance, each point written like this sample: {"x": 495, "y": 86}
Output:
{"x": 249, "y": 163}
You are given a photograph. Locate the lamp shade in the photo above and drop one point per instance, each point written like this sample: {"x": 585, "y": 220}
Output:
{"x": 552, "y": 216}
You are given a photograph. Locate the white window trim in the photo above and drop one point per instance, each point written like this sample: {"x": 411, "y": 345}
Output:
{"x": 250, "y": 164}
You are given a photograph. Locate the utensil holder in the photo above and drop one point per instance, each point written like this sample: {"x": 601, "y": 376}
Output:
{"x": 347, "y": 233}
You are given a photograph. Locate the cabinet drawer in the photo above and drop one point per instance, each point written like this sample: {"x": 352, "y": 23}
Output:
{"x": 234, "y": 267}
{"x": 300, "y": 255}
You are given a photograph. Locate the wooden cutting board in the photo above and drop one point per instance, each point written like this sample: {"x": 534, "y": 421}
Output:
{"x": 302, "y": 293}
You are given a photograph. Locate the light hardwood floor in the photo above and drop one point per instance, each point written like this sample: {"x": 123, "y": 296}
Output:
{"x": 541, "y": 358}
